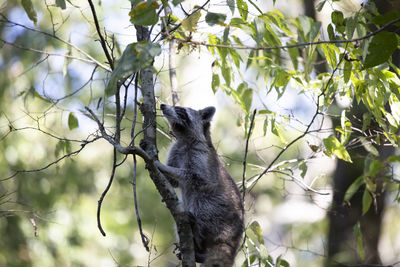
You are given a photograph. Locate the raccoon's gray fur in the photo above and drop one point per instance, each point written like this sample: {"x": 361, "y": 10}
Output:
{"x": 208, "y": 191}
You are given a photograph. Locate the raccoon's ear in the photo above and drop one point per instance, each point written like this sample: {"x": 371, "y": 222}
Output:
{"x": 207, "y": 113}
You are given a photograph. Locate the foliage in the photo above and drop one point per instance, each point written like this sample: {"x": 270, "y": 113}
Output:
{"x": 255, "y": 54}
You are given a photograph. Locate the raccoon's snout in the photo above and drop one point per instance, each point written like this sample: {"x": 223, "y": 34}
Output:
{"x": 166, "y": 110}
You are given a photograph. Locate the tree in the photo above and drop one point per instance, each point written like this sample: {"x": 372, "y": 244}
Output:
{"x": 349, "y": 222}
{"x": 256, "y": 55}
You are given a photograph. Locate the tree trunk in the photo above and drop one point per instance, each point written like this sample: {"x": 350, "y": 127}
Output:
{"x": 149, "y": 144}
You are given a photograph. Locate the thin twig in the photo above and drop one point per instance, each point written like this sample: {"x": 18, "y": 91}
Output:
{"x": 91, "y": 59}
{"x": 102, "y": 41}
{"x": 134, "y": 109}
{"x": 172, "y": 72}
{"x": 267, "y": 48}
{"x": 164, "y": 35}
{"x": 317, "y": 112}
{"x": 54, "y": 54}
{"x": 145, "y": 239}
{"x": 245, "y": 154}
{"x": 171, "y": 61}
{"x": 50, "y": 164}
{"x": 100, "y": 201}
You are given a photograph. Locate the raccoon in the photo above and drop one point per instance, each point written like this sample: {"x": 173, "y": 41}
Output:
{"x": 209, "y": 193}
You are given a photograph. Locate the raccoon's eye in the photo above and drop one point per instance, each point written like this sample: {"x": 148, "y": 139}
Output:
{"x": 178, "y": 127}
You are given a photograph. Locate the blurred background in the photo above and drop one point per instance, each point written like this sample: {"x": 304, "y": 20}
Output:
{"x": 48, "y": 213}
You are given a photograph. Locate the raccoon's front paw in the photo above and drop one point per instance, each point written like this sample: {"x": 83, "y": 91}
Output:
{"x": 177, "y": 251}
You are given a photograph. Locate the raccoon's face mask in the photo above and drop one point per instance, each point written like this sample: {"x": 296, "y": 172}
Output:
{"x": 187, "y": 122}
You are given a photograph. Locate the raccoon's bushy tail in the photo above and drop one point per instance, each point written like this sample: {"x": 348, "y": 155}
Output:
{"x": 221, "y": 255}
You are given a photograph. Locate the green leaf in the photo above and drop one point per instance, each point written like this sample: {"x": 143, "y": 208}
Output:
{"x": 244, "y": 96}
{"x": 190, "y": 23}
{"x": 281, "y": 262}
{"x": 135, "y": 57}
{"x": 226, "y": 35}
{"x": 67, "y": 147}
{"x": 359, "y": 237}
{"x": 315, "y": 31}
{"x": 63, "y": 146}
{"x": 61, "y": 4}
{"x": 345, "y": 128}
{"x": 144, "y": 14}
{"x": 247, "y": 97}
{"x": 393, "y": 158}
{"x": 226, "y": 73}
{"x": 177, "y": 2}
{"x": 370, "y": 184}
{"x": 237, "y": 22}
{"x": 366, "y": 121}
{"x": 353, "y": 188}
{"x": 320, "y": 5}
{"x": 351, "y": 24}
{"x": 236, "y": 57}
{"x": 215, "y": 82}
{"x": 36, "y": 94}
{"x": 255, "y": 228}
{"x": 369, "y": 146}
{"x": 303, "y": 168}
{"x": 243, "y": 9}
{"x": 331, "y": 32}
{"x": 277, "y": 130}
{"x": 263, "y": 252}
{"x": 265, "y": 125}
{"x": 59, "y": 148}
{"x": 375, "y": 168}
{"x": 334, "y": 147}
{"x": 231, "y": 5}
{"x": 330, "y": 54}
{"x": 366, "y": 201}
{"x": 386, "y": 18}
{"x": 380, "y": 49}
{"x": 72, "y": 121}
{"x": 215, "y": 18}
{"x": 29, "y": 10}
{"x": 347, "y": 71}
{"x": 259, "y": 30}
{"x": 294, "y": 54}
{"x": 337, "y": 18}
{"x": 251, "y": 260}
{"x": 281, "y": 80}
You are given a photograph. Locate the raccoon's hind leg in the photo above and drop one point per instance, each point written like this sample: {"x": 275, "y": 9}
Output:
{"x": 199, "y": 248}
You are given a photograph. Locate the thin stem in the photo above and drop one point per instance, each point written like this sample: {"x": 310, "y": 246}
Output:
{"x": 267, "y": 48}
{"x": 102, "y": 40}
{"x": 145, "y": 239}
{"x": 245, "y": 154}
{"x": 114, "y": 167}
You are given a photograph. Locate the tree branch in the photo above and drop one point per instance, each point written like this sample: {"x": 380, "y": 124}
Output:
{"x": 100, "y": 201}
{"x": 245, "y": 154}
{"x": 55, "y": 54}
{"x": 145, "y": 239}
{"x": 267, "y": 48}
{"x": 90, "y": 58}
{"x": 52, "y": 163}
{"x": 307, "y": 130}
{"x": 167, "y": 34}
{"x": 102, "y": 40}
{"x": 148, "y": 143}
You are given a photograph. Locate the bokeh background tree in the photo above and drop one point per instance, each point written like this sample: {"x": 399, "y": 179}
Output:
{"x": 65, "y": 65}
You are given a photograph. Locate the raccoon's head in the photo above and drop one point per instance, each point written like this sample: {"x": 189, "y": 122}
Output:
{"x": 187, "y": 123}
